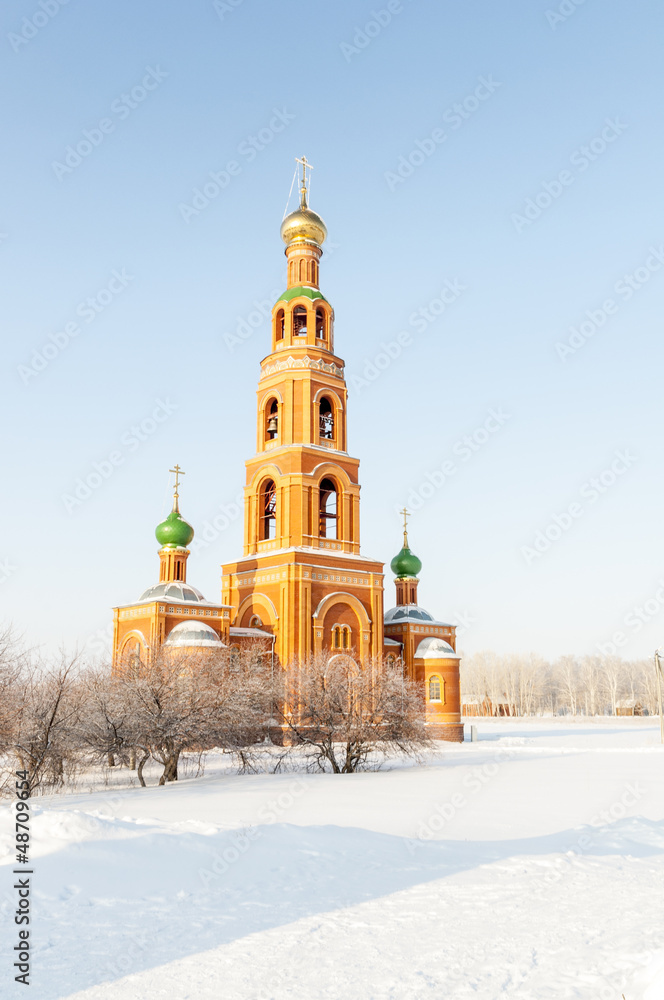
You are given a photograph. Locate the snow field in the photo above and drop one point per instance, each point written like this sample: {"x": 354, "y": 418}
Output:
{"x": 529, "y": 865}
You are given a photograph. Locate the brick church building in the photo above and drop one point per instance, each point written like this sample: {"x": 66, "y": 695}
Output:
{"x": 302, "y": 584}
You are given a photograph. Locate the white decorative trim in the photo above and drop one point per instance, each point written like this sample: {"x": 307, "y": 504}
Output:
{"x": 306, "y": 362}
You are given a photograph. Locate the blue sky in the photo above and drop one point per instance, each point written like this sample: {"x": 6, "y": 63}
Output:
{"x": 506, "y": 156}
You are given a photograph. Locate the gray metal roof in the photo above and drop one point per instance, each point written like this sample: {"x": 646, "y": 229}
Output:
{"x": 411, "y": 613}
{"x": 174, "y": 590}
{"x": 193, "y": 634}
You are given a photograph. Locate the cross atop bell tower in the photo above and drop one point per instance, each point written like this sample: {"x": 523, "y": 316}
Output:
{"x": 304, "y": 233}
{"x": 303, "y": 186}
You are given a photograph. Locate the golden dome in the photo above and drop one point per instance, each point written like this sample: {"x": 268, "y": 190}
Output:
{"x": 303, "y": 224}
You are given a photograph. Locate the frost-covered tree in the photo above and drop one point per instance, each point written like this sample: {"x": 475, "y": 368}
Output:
{"x": 183, "y": 702}
{"x": 347, "y": 716}
{"x": 43, "y": 738}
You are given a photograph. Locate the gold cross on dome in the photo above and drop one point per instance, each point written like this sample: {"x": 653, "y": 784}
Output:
{"x": 406, "y": 515}
{"x": 178, "y": 472}
{"x": 303, "y": 189}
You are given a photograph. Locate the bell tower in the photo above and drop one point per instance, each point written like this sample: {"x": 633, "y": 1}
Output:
{"x": 302, "y": 576}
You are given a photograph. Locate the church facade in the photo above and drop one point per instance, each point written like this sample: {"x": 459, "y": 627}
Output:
{"x": 301, "y": 586}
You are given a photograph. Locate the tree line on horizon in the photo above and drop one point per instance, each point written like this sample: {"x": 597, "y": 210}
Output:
{"x": 570, "y": 685}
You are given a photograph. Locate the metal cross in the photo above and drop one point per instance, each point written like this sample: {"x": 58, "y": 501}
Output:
{"x": 178, "y": 472}
{"x": 303, "y": 190}
{"x": 406, "y": 515}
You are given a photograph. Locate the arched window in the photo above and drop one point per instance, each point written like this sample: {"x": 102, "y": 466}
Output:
{"x": 299, "y": 321}
{"x": 279, "y": 325}
{"x": 320, "y": 323}
{"x": 291, "y": 267}
{"x": 326, "y": 419}
{"x": 255, "y": 622}
{"x": 272, "y": 420}
{"x": 391, "y": 660}
{"x": 268, "y": 512}
{"x": 341, "y": 637}
{"x": 436, "y": 688}
{"x": 329, "y": 517}
{"x": 302, "y": 271}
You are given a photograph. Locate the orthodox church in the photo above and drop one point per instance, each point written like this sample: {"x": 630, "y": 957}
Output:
{"x": 302, "y": 585}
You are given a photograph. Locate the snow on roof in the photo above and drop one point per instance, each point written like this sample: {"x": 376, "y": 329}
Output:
{"x": 256, "y": 632}
{"x": 435, "y": 648}
{"x": 193, "y": 634}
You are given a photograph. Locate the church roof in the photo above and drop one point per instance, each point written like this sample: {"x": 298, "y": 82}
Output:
{"x": 193, "y": 634}
{"x": 299, "y": 290}
{"x": 411, "y": 613}
{"x": 405, "y": 564}
{"x": 173, "y": 590}
{"x": 174, "y": 532}
{"x": 257, "y": 633}
{"x": 434, "y": 648}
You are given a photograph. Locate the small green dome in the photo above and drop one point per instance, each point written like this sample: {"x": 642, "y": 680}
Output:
{"x": 405, "y": 564}
{"x": 174, "y": 531}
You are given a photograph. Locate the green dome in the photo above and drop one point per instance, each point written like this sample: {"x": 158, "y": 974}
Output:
{"x": 405, "y": 564}
{"x": 174, "y": 531}
{"x": 299, "y": 290}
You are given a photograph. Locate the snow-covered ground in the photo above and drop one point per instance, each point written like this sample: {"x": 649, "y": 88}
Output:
{"x": 528, "y": 865}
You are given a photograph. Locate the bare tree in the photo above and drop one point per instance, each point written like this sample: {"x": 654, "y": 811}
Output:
{"x": 566, "y": 671}
{"x": 184, "y": 702}
{"x": 12, "y": 666}
{"x": 644, "y": 685}
{"x": 614, "y": 676}
{"x": 43, "y": 740}
{"x": 105, "y": 728}
{"x": 348, "y": 715}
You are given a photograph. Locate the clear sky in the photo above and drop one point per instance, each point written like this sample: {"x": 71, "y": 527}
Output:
{"x": 491, "y": 177}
